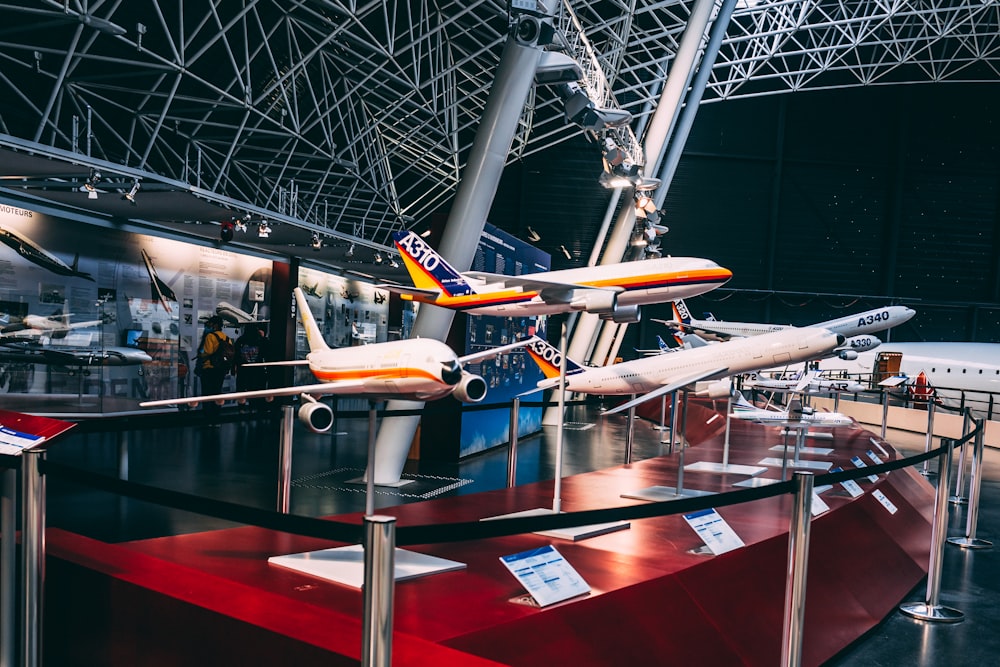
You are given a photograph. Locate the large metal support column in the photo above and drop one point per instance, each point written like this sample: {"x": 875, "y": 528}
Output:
{"x": 515, "y": 76}
{"x": 587, "y": 325}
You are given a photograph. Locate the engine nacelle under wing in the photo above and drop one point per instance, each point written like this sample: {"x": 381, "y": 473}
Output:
{"x": 470, "y": 389}
{"x": 623, "y": 314}
{"x": 717, "y": 389}
{"x": 318, "y": 417}
{"x": 595, "y": 301}
{"x": 847, "y": 355}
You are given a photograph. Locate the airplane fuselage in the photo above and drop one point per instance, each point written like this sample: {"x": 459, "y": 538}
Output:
{"x": 869, "y": 321}
{"x": 742, "y": 355}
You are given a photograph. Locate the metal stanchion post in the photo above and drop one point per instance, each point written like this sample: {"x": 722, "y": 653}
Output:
{"x": 379, "y": 588}
{"x": 682, "y": 441}
{"x": 795, "y": 579}
{"x": 515, "y": 415}
{"x": 8, "y": 570}
{"x": 885, "y": 411}
{"x": 957, "y": 498}
{"x": 930, "y": 610}
{"x": 370, "y": 468}
{"x": 970, "y": 541}
{"x": 673, "y": 421}
{"x": 925, "y": 471}
{"x": 630, "y": 434}
{"x": 33, "y": 556}
{"x": 285, "y": 459}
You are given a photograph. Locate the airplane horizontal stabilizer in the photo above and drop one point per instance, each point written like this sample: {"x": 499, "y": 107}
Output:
{"x": 412, "y": 291}
{"x": 666, "y": 389}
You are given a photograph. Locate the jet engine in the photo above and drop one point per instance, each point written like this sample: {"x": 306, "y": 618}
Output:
{"x": 470, "y": 389}
{"x": 847, "y": 355}
{"x": 318, "y": 417}
{"x": 595, "y": 301}
{"x": 717, "y": 389}
{"x": 860, "y": 344}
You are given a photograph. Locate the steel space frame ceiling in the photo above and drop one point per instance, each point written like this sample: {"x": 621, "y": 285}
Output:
{"x": 356, "y": 118}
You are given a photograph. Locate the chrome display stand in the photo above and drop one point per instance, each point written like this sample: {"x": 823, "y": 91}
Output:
{"x": 970, "y": 541}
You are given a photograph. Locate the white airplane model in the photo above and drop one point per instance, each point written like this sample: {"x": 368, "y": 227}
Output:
{"x": 854, "y": 327}
{"x": 40, "y": 326}
{"x": 659, "y": 375}
{"x": 795, "y": 415}
{"x": 613, "y": 291}
{"x": 237, "y": 316}
{"x": 812, "y": 382}
{"x": 419, "y": 369}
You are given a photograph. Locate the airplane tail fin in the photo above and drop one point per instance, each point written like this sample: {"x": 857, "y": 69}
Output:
{"x": 662, "y": 344}
{"x": 681, "y": 312}
{"x": 549, "y": 358}
{"x": 313, "y": 334}
{"x": 428, "y": 270}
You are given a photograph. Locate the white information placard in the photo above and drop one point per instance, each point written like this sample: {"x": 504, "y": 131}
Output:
{"x": 12, "y": 442}
{"x": 849, "y": 485}
{"x": 858, "y": 463}
{"x": 546, "y": 575}
{"x": 886, "y": 503}
{"x": 713, "y": 530}
{"x": 818, "y": 505}
{"x": 873, "y": 457}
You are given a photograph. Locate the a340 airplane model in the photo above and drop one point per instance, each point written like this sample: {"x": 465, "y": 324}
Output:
{"x": 613, "y": 291}
{"x": 855, "y": 328}
{"x": 661, "y": 374}
{"x": 418, "y": 369}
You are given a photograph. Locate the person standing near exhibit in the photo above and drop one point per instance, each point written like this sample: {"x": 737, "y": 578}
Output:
{"x": 251, "y": 348}
{"x": 212, "y": 369}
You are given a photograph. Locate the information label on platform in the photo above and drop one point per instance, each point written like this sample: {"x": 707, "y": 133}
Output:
{"x": 818, "y": 505}
{"x": 874, "y": 458}
{"x": 849, "y": 485}
{"x": 886, "y": 503}
{"x": 12, "y": 442}
{"x": 858, "y": 463}
{"x": 713, "y": 530}
{"x": 546, "y": 575}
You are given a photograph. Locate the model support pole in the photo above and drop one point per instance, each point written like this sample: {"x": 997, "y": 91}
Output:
{"x": 682, "y": 441}
{"x": 673, "y": 421}
{"x": 8, "y": 569}
{"x": 957, "y": 498}
{"x": 725, "y": 443}
{"x": 663, "y": 413}
{"x": 925, "y": 470}
{"x": 379, "y": 588}
{"x": 795, "y": 580}
{"x": 970, "y": 541}
{"x": 370, "y": 468}
{"x": 33, "y": 555}
{"x": 885, "y": 411}
{"x": 630, "y": 434}
{"x": 285, "y": 459}
{"x": 930, "y": 610}
{"x": 557, "y": 487}
{"x": 515, "y": 412}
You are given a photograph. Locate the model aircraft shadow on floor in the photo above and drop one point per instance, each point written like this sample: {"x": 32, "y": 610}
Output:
{"x": 419, "y": 369}
{"x": 652, "y": 377}
{"x": 612, "y": 291}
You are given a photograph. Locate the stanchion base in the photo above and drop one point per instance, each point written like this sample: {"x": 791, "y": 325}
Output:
{"x": 970, "y": 542}
{"x": 658, "y": 493}
{"x": 958, "y": 500}
{"x": 928, "y": 473}
{"x": 391, "y": 485}
{"x": 925, "y": 612}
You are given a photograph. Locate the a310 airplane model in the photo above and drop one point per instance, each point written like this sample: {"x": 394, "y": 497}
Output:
{"x": 613, "y": 291}
{"x": 855, "y": 328}
{"x": 661, "y": 374}
{"x": 418, "y": 369}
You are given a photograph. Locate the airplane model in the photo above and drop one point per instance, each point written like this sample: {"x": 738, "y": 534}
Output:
{"x": 237, "y": 316}
{"x": 31, "y": 353}
{"x": 809, "y": 383}
{"x": 418, "y": 369}
{"x": 613, "y": 291}
{"x": 795, "y": 415}
{"x": 34, "y": 253}
{"x": 40, "y": 326}
{"x": 161, "y": 290}
{"x": 661, "y": 347}
{"x": 661, "y": 374}
{"x": 853, "y": 327}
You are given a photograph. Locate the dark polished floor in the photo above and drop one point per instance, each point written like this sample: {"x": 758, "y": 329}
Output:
{"x": 238, "y": 461}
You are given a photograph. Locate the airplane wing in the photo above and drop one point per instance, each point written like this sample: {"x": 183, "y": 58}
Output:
{"x": 486, "y": 354}
{"x": 805, "y": 380}
{"x": 341, "y": 386}
{"x": 667, "y": 388}
{"x": 412, "y": 291}
{"x": 548, "y": 290}
{"x": 690, "y": 328}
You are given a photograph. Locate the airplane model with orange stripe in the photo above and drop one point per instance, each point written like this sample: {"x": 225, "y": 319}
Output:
{"x": 417, "y": 369}
{"x": 613, "y": 291}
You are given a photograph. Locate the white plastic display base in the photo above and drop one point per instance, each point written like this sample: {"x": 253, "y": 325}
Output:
{"x": 755, "y": 482}
{"x": 658, "y": 493}
{"x": 819, "y": 451}
{"x": 818, "y": 435}
{"x": 773, "y": 462}
{"x": 728, "y": 468}
{"x": 392, "y": 485}
{"x": 575, "y": 533}
{"x": 346, "y": 565}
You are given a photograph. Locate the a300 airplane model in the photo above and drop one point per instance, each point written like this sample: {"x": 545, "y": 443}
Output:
{"x": 810, "y": 383}
{"x": 658, "y": 375}
{"x": 613, "y": 291}
{"x": 854, "y": 327}
{"x": 418, "y": 369}
{"x": 40, "y": 326}
{"x": 795, "y": 415}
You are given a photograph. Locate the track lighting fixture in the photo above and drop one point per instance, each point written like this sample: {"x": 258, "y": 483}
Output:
{"x": 263, "y": 230}
{"x": 90, "y": 185}
{"x": 240, "y": 225}
{"x": 350, "y": 251}
{"x": 378, "y": 257}
{"x": 565, "y": 252}
{"x": 392, "y": 262}
{"x": 316, "y": 242}
{"x": 130, "y": 195}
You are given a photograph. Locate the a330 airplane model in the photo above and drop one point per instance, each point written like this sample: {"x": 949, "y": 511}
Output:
{"x": 661, "y": 374}
{"x": 613, "y": 291}
{"x": 855, "y": 328}
{"x": 418, "y": 369}
{"x": 795, "y": 415}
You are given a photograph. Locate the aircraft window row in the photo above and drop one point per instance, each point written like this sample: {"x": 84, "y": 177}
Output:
{"x": 965, "y": 370}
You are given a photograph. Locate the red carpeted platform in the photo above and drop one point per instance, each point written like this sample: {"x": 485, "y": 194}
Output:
{"x": 213, "y": 596}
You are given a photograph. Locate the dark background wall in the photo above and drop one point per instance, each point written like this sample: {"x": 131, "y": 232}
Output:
{"x": 822, "y": 203}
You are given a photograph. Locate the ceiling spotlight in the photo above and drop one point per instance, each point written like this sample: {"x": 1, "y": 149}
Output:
{"x": 350, "y": 251}
{"x": 226, "y": 231}
{"x": 128, "y": 196}
{"x": 378, "y": 257}
{"x": 392, "y": 262}
{"x": 566, "y": 252}
{"x": 424, "y": 234}
{"x": 316, "y": 241}
{"x": 240, "y": 225}
{"x": 90, "y": 185}
{"x": 263, "y": 230}
{"x": 533, "y": 235}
